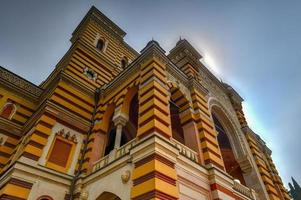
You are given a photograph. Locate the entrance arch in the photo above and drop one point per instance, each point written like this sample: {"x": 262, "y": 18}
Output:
{"x": 231, "y": 165}
{"x": 108, "y": 196}
{"x": 228, "y": 140}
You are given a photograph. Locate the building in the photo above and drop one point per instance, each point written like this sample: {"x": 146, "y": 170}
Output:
{"x": 112, "y": 123}
{"x": 295, "y": 190}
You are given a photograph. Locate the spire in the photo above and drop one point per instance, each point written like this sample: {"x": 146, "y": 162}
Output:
{"x": 292, "y": 190}
{"x": 296, "y": 185}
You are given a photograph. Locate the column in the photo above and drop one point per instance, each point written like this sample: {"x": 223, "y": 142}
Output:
{"x": 120, "y": 121}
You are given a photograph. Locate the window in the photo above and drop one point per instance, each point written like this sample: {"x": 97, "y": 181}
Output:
{"x": 129, "y": 132}
{"x": 124, "y": 62}
{"x": 177, "y": 130}
{"x": 61, "y": 151}
{"x": 231, "y": 165}
{"x": 90, "y": 74}
{"x": 8, "y": 110}
{"x": 100, "y": 45}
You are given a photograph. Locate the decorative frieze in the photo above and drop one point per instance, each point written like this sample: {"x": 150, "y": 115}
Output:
{"x": 20, "y": 83}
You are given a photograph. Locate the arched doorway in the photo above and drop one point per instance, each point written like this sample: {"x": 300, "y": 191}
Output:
{"x": 108, "y": 196}
{"x": 231, "y": 165}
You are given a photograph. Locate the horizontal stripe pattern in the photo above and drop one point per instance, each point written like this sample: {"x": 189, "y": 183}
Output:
{"x": 208, "y": 136}
{"x": 154, "y": 177}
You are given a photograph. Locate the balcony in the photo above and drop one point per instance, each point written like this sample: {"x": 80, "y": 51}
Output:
{"x": 188, "y": 155}
{"x": 114, "y": 155}
{"x": 244, "y": 190}
{"x": 185, "y": 151}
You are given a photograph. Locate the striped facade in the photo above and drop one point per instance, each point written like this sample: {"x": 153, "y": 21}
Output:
{"x": 112, "y": 123}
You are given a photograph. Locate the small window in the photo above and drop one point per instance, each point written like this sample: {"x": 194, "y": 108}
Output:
{"x": 124, "y": 62}
{"x": 100, "y": 44}
{"x": 90, "y": 74}
{"x": 8, "y": 110}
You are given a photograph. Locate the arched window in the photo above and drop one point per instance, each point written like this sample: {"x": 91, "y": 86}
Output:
{"x": 130, "y": 130}
{"x": 100, "y": 45}
{"x": 231, "y": 165}
{"x": 177, "y": 130}
{"x": 8, "y": 110}
{"x": 124, "y": 62}
{"x": 111, "y": 139}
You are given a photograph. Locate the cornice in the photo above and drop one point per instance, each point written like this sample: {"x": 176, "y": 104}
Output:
{"x": 60, "y": 113}
{"x": 19, "y": 84}
{"x": 183, "y": 46}
{"x": 105, "y": 20}
{"x": 173, "y": 70}
{"x": 67, "y": 116}
{"x": 193, "y": 83}
{"x": 102, "y": 18}
{"x": 11, "y": 127}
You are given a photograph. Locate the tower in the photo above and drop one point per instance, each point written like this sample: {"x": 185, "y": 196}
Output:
{"x": 112, "y": 123}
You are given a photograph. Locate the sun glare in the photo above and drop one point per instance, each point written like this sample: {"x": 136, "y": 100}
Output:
{"x": 210, "y": 63}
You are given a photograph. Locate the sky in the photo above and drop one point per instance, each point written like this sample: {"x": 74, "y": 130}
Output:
{"x": 254, "y": 45}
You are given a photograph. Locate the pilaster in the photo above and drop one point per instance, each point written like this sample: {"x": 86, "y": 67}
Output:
{"x": 154, "y": 175}
{"x": 207, "y": 133}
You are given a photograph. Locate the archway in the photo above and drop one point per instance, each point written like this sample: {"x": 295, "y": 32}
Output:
{"x": 107, "y": 127}
{"x": 177, "y": 104}
{"x": 184, "y": 128}
{"x": 226, "y": 141}
{"x": 122, "y": 127}
{"x": 129, "y": 132}
{"x": 108, "y": 196}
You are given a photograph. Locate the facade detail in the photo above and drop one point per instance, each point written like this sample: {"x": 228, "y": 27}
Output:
{"x": 110, "y": 123}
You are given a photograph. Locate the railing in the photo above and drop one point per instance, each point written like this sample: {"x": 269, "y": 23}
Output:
{"x": 243, "y": 190}
{"x": 186, "y": 151}
{"x": 125, "y": 148}
{"x": 114, "y": 155}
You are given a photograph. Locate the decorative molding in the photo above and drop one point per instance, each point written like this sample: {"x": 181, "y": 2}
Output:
{"x": 19, "y": 83}
{"x": 125, "y": 176}
{"x": 67, "y": 135}
{"x": 120, "y": 118}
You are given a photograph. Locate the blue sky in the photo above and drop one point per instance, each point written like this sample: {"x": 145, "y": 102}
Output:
{"x": 252, "y": 45}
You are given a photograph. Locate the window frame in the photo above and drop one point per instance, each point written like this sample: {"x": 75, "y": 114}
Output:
{"x": 54, "y": 166}
{"x": 12, "y": 113}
